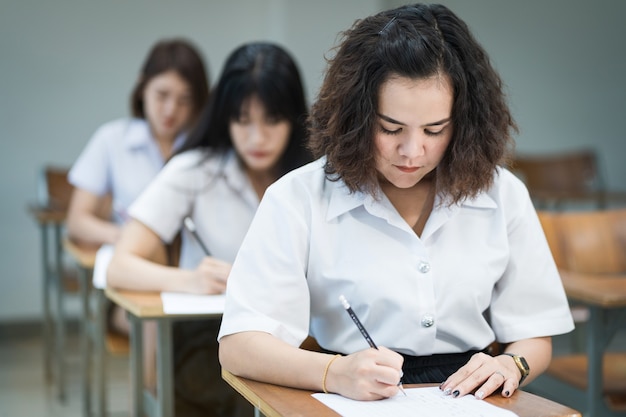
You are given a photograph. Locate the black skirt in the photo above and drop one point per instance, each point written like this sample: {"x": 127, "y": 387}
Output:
{"x": 199, "y": 390}
{"x": 434, "y": 368}
{"x": 430, "y": 369}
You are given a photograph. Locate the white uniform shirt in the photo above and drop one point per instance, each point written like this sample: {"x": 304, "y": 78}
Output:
{"x": 121, "y": 158}
{"x": 210, "y": 188}
{"x": 311, "y": 241}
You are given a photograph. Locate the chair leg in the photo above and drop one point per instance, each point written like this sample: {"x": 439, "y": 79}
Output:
{"x": 85, "y": 341}
{"x": 60, "y": 319}
{"x": 48, "y": 346}
{"x": 99, "y": 321}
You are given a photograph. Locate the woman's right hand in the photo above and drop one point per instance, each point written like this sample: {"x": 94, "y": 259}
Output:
{"x": 370, "y": 374}
{"x": 209, "y": 277}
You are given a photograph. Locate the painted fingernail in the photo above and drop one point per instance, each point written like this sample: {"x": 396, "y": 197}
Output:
{"x": 479, "y": 395}
{"x": 441, "y": 385}
{"x": 455, "y": 393}
{"x": 507, "y": 393}
{"x": 447, "y": 391}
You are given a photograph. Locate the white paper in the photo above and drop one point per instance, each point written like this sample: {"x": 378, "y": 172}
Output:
{"x": 101, "y": 264}
{"x": 183, "y": 303}
{"x": 423, "y": 402}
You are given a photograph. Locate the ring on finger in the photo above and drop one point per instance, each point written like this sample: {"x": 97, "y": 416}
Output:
{"x": 500, "y": 373}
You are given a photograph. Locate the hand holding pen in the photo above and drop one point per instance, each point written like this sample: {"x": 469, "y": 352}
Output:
{"x": 364, "y": 332}
{"x": 211, "y": 272}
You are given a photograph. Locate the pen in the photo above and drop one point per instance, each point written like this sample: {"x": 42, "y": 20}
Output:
{"x": 364, "y": 332}
{"x": 191, "y": 226}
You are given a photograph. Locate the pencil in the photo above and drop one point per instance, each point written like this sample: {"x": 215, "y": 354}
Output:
{"x": 364, "y": 332}
{"x": 191, "y": 226}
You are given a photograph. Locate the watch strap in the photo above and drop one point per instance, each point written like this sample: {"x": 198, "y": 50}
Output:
{"x": 521, "y": 364}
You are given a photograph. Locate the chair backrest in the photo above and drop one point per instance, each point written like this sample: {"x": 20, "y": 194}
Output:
{"x": 548, "y": 222}
{"x": 587, "y": 241}
{"x": 55, "y": 190}
{"x": 555, "y": 178}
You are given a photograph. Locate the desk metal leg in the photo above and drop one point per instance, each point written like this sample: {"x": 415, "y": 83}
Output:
{"x": 136, "y": 365}
{"x": 603, "y": 324}
{"x": 48, "y": 346}
{"x": 165, "y": 369}
{"x": 60, "y": 322}
{"x": 595, "y": 348}
{"x": 99, "y": 331}
{"x": 85, "y": 340}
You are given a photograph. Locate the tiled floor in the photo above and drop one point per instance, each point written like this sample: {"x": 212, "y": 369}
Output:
{"x": 24, "y": 391}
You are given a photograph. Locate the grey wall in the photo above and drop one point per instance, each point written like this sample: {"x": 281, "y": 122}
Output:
{"x": 67, "y": 66}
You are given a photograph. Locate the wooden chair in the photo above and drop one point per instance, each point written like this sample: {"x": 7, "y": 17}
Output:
{"x": 572, "y": 177}
{"x": 55, "y": 193}
{"x": 54, "y": 189}
{"x": 587, "y": 247}
{"x": 53, "y": 196}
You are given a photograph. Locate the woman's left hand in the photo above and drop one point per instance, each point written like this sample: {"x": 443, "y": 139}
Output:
{"x": 484, "y": 374}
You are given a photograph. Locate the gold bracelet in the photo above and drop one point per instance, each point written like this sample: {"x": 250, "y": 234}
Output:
{"x": 326, "y": 372}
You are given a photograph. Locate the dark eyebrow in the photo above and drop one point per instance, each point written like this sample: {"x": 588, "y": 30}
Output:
{"x": 390, "y": 120}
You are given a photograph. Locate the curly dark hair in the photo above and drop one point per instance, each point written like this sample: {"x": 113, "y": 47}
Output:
{"x": 415, "y": 41}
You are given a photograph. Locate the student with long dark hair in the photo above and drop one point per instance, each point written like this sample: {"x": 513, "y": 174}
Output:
{"x": 251, "y": 133}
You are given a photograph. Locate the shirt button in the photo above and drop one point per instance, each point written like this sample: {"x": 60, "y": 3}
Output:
{"x": 424, "y": 267}
{"x": 428, "y": 320}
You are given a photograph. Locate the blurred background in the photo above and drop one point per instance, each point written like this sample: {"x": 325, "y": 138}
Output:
{"x": 67, "y": 66}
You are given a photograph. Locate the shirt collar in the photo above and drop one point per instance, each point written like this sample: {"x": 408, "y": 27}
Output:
{"x": 232, "y": 171}
{"x": 341, "y": 201}
{"x": 139, "y": 136}
{"x": 482, "y": 200}
{"x": 236, "y": 178}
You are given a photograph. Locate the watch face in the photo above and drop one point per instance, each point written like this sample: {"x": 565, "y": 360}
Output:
{"x": 524, "y": 363}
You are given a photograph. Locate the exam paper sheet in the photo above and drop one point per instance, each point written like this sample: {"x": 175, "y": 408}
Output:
{"x": 103, "y": 259}
{"x": 425, "y": 402}
{"x": 182, "y": 303}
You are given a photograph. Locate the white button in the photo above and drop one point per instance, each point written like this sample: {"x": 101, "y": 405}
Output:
{"x": 424, "y": 267}
{"x": 428, "y": 320}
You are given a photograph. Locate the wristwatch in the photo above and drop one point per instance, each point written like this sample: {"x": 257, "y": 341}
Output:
{"x": 522, "y": 365}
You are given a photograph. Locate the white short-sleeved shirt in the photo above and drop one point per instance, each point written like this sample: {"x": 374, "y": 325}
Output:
{"x": 121, "y": 158}
{"x": 481, "y": 271}
{"x": 210, "y": 188}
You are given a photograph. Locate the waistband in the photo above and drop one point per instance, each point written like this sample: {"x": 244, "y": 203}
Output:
{"x": 439, "y": 359}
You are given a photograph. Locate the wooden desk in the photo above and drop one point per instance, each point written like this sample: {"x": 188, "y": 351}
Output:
{"x": 556, "y": 199}
{"x": 591, "y": 241}
{"x": 51, "y": 261}
{"x": 606, "y": 299}
{"x": 85, "y": 256}
{"x": 93, "y": 327}
{"x": 47, "y": 215}
{"x": 148, "y": 306}
{"x": 276, "y": 401}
